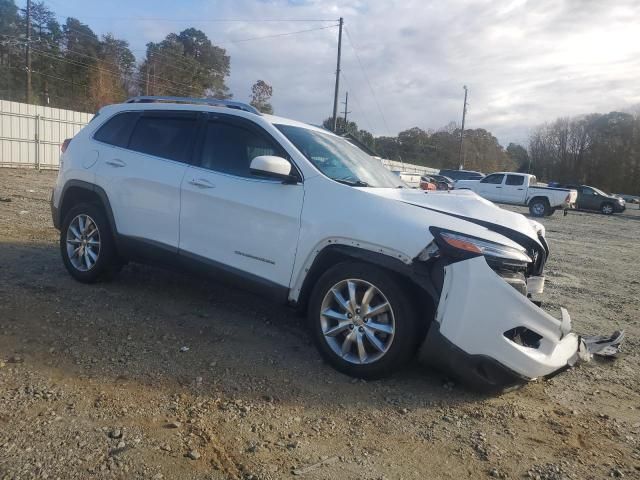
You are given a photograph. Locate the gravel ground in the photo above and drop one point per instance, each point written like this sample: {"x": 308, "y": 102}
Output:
{"x": 95, "y": 382}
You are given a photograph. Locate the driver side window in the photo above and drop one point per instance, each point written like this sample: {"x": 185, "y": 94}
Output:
{"x": 494, "y": 179}
{"x": 230, "y": 148}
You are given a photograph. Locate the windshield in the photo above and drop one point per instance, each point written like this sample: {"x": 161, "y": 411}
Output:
{"x": 339, "y": 160}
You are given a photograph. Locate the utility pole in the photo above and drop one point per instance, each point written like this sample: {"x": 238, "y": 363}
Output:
{"x": 346, "y": 106}
{"x": 28, "y": 53}
{"x": 464, "y": 115}
{"x": 335, "y": 93}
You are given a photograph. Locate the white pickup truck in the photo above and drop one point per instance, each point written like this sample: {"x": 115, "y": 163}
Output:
{"x": 521, "y": 189}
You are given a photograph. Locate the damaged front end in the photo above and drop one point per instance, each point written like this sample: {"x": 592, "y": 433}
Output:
{"x": 488, "y": 330}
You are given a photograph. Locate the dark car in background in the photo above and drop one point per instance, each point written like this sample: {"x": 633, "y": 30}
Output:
{"x": 456, "y": 175}
{"x": 592, "y": 198}
{"x": 439, "y": 182}
{"x": 443, "y": 182}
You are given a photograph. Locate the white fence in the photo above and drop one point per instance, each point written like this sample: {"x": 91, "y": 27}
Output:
{"x": 409, "y": 167}
{"x": 30, "y": 135}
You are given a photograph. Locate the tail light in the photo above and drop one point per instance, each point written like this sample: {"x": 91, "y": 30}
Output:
{"x": 568, "y": 199}
{"x": 65, "y": 144}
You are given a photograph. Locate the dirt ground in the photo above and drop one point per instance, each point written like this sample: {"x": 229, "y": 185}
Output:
{"x": 93, "y": 382}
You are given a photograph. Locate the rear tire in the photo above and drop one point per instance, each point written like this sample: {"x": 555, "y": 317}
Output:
{"x": 538, "y": 207}
{"x": 606, "y": 208}
{"x": 351, "y": 326}
{"x": 87, "y": 246}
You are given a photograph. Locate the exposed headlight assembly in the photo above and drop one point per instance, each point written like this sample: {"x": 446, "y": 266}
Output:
{"x": 461, "y": 246}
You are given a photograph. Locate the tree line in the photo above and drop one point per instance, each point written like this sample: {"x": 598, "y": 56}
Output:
{"x": 73, "y": 68}
{"x": 602, "y": 150}
{"x": 435, "y": 148}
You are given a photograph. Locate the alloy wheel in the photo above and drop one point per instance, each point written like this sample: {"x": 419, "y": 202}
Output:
{"x": 83, "y": 242}
{"x": 357, "y": 321}
{"x": 538, "y": 208}
{"x": 607, "y": 209}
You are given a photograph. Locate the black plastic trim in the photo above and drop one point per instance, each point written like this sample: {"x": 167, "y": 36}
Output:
{"x": 420, "y": 273}
{"x": 155, "y": 253}
{"x": 478, "y": 372}
{"x": 55, "y": 216}
{"x": 57, "y": 220}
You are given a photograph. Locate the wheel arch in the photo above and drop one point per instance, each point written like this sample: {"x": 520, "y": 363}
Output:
{"x": 78, "y": 191}
{"x": 414, "y": 275}
{"x": 538, "y": 197}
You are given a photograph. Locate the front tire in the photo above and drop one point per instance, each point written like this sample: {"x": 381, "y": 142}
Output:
{"x": 539, "y": 207}
{"x": 606, "y": 208}
{"x": 362, "y": 321}
{"x": 86, "y": 244}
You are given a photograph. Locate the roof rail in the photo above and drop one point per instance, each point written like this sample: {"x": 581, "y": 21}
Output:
{"x": 214, "y": 102}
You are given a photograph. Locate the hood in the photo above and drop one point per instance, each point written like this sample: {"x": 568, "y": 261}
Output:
{"x": 466, "y": 205}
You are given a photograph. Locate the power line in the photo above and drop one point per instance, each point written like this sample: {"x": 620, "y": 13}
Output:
{"x": 212, "y": 20}
{"x": 364, "y": 73}
{"x": 118, "y": 75}
{"x": 46, "y": 75}
{"x": 107, "y": 71}
{"x": 205, "y": 20}
{"x": 282, "y": 34}
{"x": 69, "y": 50}
{"x": 355, "y": 98}
{"x": 189, "y": 67}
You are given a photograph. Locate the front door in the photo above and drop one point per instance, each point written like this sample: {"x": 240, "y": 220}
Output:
{"x": 232, "y": 218}
{"x": 588, "y": 199}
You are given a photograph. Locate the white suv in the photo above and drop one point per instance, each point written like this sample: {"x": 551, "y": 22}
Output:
{"x": 305, "y": 216}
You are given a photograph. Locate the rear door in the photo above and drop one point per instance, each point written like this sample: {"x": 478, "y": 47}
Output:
{"x": 514, "y": 189}
{"x": 490, "y": 187}
{"x": 232, "y": 218}
{"x": 143, "y": 172}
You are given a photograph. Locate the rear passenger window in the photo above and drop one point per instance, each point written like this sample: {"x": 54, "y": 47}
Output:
{"x": 229, "y": 149}
{"x": 117, "y": 130}
{"x": 496, "y": 178}
{"x": 166, "y": 135}
{"x": 514, "y": 180}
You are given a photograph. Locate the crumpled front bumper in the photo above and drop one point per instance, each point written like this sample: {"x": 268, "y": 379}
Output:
{"x": 492, "y": 336}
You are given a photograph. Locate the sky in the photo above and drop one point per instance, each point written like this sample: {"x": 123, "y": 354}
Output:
{"x": 404, "y": 63}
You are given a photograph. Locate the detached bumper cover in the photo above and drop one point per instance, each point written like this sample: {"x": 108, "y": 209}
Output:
{"x": 491, "y": 335}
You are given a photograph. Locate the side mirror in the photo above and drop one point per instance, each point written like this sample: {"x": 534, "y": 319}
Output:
{"x": 272, "y": 166}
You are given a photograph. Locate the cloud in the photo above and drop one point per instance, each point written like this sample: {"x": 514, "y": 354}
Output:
{"x": 525, "y": 62}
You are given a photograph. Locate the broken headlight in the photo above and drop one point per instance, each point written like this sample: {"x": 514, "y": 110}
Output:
{"x": 461, "y": 246}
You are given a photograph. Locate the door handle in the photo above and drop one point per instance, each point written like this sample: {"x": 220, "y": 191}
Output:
{"x": 201, "y": 183}
{"x": 116, "y": 162}
{"x": 521, "y": 189}
{"x": 498, "y": 187}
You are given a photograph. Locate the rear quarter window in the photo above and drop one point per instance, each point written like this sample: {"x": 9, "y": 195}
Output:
{"x": 514, "y": 180}
{"x": 117, "y": 130}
